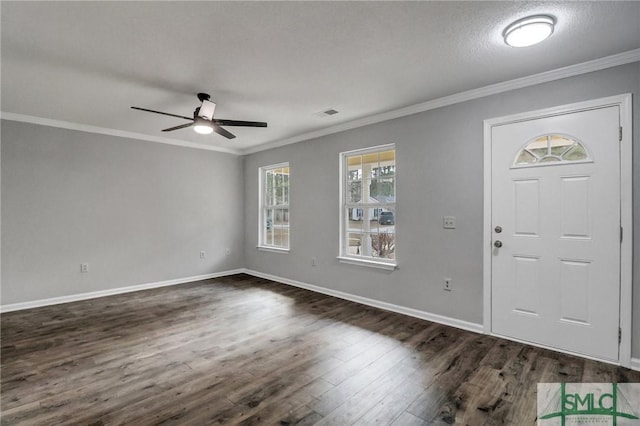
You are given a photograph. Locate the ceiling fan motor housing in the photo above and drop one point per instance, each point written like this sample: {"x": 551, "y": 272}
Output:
{"x": 206, "y": 110}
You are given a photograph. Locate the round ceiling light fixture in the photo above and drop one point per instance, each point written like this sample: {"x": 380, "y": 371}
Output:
{"x": 529, "y": 31}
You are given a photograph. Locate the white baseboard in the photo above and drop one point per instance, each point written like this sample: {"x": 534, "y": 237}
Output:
{"x": 112, "y": 291}
{"x": 465, "y": 325}
{"x": 635, "y": 364}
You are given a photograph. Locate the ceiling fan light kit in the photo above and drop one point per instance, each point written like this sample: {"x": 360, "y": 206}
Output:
{"x": 203, "y": 121}
{"x": 529, "y": 31}
{"x": 203, "y": 129}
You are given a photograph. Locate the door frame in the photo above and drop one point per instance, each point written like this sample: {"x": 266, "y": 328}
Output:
{"x": 624, "y": 102}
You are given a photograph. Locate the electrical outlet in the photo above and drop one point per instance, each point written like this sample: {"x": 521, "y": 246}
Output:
{"x": 449, "y": 222}
{"x": 227, "y": 251}
{"x": 447, "y": 284}
{"x": 84, "y": 267}
{"x": 203, "y": 254}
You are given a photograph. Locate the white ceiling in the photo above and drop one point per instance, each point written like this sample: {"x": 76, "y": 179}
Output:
{"x": 280, "y": 62}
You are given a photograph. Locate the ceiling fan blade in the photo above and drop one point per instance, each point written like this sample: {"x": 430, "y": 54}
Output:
{"x": 182, "y": 126}
{"x": 219, "y": 130}
{"x": 163, "y": 113}
{"x": 239, "y": 123}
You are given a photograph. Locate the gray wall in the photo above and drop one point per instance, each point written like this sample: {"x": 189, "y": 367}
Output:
{"x": 440, "y": 172}
{"x": 138, "y": 212}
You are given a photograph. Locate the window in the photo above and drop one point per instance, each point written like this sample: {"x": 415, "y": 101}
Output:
{"x": 274, "y": 207}
{"x": 551, "y": 149}
{"x": 368, "y": 207}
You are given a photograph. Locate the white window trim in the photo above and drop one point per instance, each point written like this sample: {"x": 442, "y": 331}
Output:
{"x": 367, "y": 262}
{"x": 342, "y": 257}
{"x": 274, "y": 249}
{"x": 261, "y": 173}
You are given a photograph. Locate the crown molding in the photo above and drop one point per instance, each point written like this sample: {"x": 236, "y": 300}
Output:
{"x": 518, "y": 83}
{"x": 111, "y": 132}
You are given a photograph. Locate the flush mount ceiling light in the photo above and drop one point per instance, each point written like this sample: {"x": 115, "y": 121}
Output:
{"x": 529, "y": 31}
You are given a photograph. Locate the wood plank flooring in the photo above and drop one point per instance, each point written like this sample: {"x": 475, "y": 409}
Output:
{"x": 243, "y": 350}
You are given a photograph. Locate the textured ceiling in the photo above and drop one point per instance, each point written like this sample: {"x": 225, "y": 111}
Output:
{"x": 280, "y": 62}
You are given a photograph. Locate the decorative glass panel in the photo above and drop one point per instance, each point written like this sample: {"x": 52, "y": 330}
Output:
{"x": 549, "y": 159}
{"x": 525, "y": 157}
{"x": 551, "y": 149}
{"x": 575, "y": 153}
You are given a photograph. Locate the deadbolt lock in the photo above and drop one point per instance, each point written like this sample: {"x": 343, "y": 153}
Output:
{"x": 498, "y": 229}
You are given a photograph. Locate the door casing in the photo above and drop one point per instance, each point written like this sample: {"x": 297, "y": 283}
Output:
{"x": 624, "y": 102}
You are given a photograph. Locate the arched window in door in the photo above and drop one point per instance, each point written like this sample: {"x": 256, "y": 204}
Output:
{"x": 551, "y": 149}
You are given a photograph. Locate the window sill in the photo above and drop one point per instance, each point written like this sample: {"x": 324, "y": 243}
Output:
{"x": 368, "y": 263}
{"x": 273, "y": 249}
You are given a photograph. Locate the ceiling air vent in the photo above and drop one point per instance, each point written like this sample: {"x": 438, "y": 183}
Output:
{"x": 327, "y": 113}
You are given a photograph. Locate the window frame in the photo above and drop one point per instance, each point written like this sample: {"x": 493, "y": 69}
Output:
{"x": 262, "y": 208}
{"x": 343, "y": 255}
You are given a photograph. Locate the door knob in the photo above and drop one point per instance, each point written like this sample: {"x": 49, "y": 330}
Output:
{"x": 498, "y": 243}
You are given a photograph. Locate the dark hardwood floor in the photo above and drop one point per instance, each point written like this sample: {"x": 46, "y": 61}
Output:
{"x": 243, "y": 350}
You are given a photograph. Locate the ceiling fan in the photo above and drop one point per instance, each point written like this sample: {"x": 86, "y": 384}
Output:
{"x": 203, "y": 120}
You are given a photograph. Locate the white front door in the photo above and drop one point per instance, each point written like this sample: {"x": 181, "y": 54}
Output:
{"x": 555, "y": 213}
